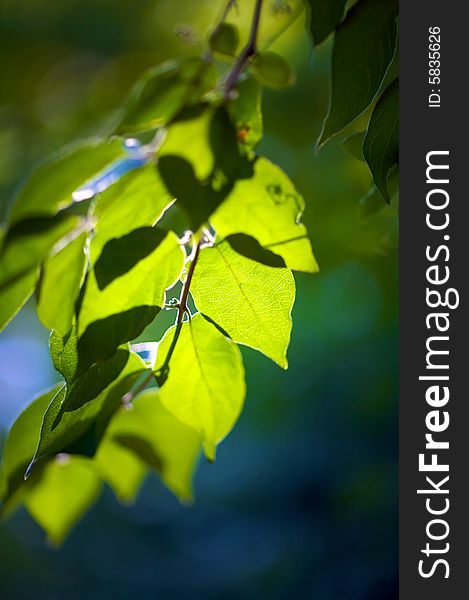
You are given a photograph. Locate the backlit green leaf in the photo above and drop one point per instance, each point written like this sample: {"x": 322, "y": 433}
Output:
{"x": 22, "y": 441}
{"x": 251, "y": 301}
{"x": 364, "y": 46}
{"x": 137, "y": 200}
{"x": 80, "y": 429}
{"x": 202, "y": 377}
{"x": 268, "y": 207}
{"x": 68, "y": 487}
{"x": 117, "y": 306}
{"x": 381, "y": 143}
{"x": 61, "y": 278}
{"x": 50, "y": 188}
{"x": 160, "y": 440}
{"x": 30, "y": 242}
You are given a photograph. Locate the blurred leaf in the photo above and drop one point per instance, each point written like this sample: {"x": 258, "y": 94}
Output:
{"x": 325, "y": 15}
{"x": 268, "y": 207}
{"x": 67, "y": 488}
{"x": 29, "y": 242}
{"x": 164, "y": 91}
{"x": 381, "y": 143}
{"x": 120, "y": 468}
{"x": 273, "y": 70}
{"x": 364, "y": 46}
{"x": 79, "y": 431}
{"x": 137, "y": 200}
{"x": 22, "y": 441}
{"x": 225, "y": 39}
{"x": 252, "y": 302}
{"x": 121, "y": 310}
{"x": 201, "y": 375}
{"x": 61, "y": 278}
{"x": 15, "y": 296}
{"x": 50, "y": 187}
{"x": 353, "y": 145}
{"x": 246, "y": 115}
{"x": 160, "y": 440}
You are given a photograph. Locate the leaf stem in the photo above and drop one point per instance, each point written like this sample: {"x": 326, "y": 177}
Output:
{"x": 182, "y": 306}
{"x": 247, "y": 52}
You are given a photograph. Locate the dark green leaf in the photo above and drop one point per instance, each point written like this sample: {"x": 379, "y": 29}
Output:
{"x": 364, "y": 47}
{"x": 353, "y": 145}
{"x": 324, "y": 15}
{"x": 381, "y": 143}
{"x": 50, "y": 188}
{"x": 225, "y": 39}
{"x": 250, "y": 248}
{"x": 273, "y": 70}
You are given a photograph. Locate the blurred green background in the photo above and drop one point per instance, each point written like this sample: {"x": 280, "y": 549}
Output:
{"x": 302, "y": 501}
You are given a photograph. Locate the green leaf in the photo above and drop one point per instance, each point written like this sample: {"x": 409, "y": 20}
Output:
{"x": 50, "y": 187}
{"x": 137, "y": 200}
{"x": 268, "y": 207}
{"x": 353, "y": 145}
{"x": 13, "y": 298}
{"x": 273, "y": 70}
{"x": 324, "y": 16}
{"x": 164, "y": 91}
{"x": 22, "y": 441}
{"x": 61, "y": 278}
{"x": 158, "y": 439}
{"x": 189, "y": 138}
{"x": 364, "y": 47}
{"x": 30, "y": 242}
{"x": 246, "y": 115}
{"x": 251, "y": 301}
{"x": 381, "y": 143}
{"x": 64, "y": 354}
{"x": 225, "y": 39}
{"x": 67, "y": 488}
{"x": 119, "y": 311}
{"x": 79, "y": 431}
{"x": 120, "y": 468}
{"x": 202, "y": 379}
{"x": 200, "y": 198}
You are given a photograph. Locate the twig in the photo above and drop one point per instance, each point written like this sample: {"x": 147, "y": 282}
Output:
{"x": 182, "y": 306}
{"x": 248, "y": 51}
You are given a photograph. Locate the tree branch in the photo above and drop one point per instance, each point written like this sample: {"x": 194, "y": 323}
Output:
{"x": 248, "y": 51}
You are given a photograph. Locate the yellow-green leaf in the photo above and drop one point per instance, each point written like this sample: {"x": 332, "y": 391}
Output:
{"x": 201, "y": 375}
{"x": 268, "y": 207}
